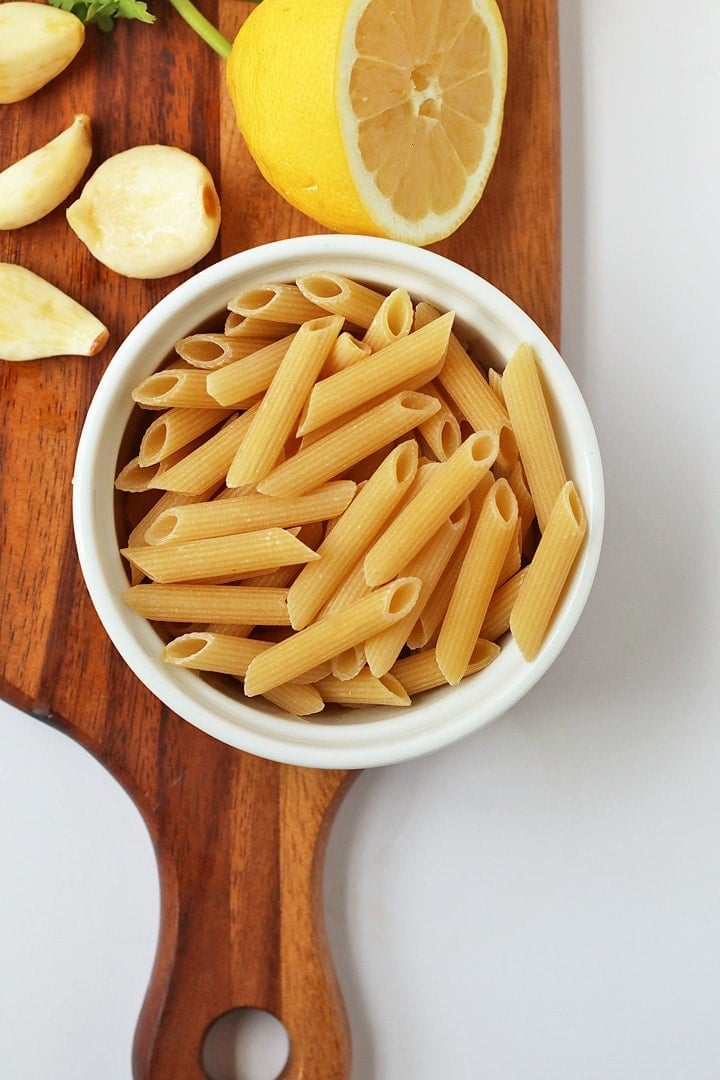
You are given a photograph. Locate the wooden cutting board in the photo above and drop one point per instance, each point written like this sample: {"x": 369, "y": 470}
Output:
{"x": 240, "y": 841}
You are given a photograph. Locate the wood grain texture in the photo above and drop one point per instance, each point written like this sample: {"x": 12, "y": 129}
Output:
{"x": 239, "y": 841}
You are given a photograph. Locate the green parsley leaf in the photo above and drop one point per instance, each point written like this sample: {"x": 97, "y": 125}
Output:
{"x": 103, "y": 13}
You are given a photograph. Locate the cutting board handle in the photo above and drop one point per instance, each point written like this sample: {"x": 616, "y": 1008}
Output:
{"x": 240, "y": 844}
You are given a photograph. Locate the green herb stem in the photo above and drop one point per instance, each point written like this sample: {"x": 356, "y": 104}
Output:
{"x": 209, "y": 33}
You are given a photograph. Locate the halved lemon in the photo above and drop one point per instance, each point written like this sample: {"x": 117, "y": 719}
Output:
{"x": 373, "y": 116}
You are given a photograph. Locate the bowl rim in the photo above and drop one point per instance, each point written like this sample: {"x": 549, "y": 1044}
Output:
{"x": 388, "y": 736}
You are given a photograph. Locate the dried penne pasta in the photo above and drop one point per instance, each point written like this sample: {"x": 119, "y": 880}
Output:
{"x": 418, "y": 357}
{"x": 226, "y": 517}
{"x": 174, "y": 430}
{"x": 530, "y": 418}
{"x": 209, "y": 351}
{"x": 476, "y": 581}
{"x": 495, "y": 383}
{"x": 219, "y": 556}
{"x": 244, "y": 379}
{"x": 332, "y": 483}
{"x": 447, "y": 488}
{"x": 338, "y": 451}
{"x": 352, "y": 534}
{"x": 230, "y": 655}
{"x": 341, "y": 296}
{"x": 434, "y": 610}
{"x": 526, "y": 509}
{"x": 382, "y": 651}
{"x": 463, "y": 381}
{"x": 133, "y": 477}
{"x": 297, "y": 699}
{"x": 277, "y": 302}
{"x": 352, "y": 588}
{"x": 207, "y": 464}
{"x": 442, "y": 431}
{"x": 277, "y": 412}
{"x": 347, "y": 664}
{"x": 513, "y": 559}
{"x": 346, "y": 351}
{"x": 136, "y": 477}
{"x": 497, "y": 618}
{"x": 236, "y": 605}
{"x": 547, "y": 573}
{"x": 167, "y": 501}
{"x": 420, "y": 671}
{"x": 363, "y": 689}
{"x": 392, "y": 320}
{"x": 328, "y": 637}
{"x": 241, "y": 326}
{"x": 175, "y": 388}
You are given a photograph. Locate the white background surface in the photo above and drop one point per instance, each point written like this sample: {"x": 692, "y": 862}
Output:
{"x": 543, "y": 899}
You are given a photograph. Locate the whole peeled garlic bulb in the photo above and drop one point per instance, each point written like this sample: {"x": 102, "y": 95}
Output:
{"x": 37, "y": 42}
{"x": 148, "y": 212}
{"x": 33, "y": 186}
{"x": 37, "y": 319}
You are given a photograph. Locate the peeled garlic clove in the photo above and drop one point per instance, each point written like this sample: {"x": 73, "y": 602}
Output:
{"x": 36, "y": 184}
{"x": 37, "y": 42}
{"x": 148, "y": 212}
{"x": 37, "y": 319}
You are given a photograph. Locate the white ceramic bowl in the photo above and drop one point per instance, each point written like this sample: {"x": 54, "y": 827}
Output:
{"x": 338, "y": 738}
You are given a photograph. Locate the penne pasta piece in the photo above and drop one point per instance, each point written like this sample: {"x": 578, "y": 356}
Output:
{"x": 416, "y": 357}
{"x": 463, "y": 381}
{"x": 346, "y": 351}
{"x": 240, "y": 326}
{"x": 352, "y": 534}
{"x": 175, "y": 388}
{"x": 277, "y": 412}
{"x": 530, "y": 418}
{"x": 208, "y": 464}
{"x": 236, "y": 605}
{"x": 341, "y": 296}
{"x": 434, "y": 610}
{"x": 338, "y": 451}
{"x": 526, "y": 509}
{"x": 495, "y": 383}
{"x": 392, "y": 320}
{"x": 420, "y": 671}
{"x": 328, "y": 637}
{"x": 174, "y": 430}
{"x": 244, "y": 379}
{"x": 449, "y": 485}
{"x": 230, "y": 655}
{"x": 513, "y": 558}
{"x": 210, "y": 351}
{"x": 226, "y": 517}
{"x": 167, "y": 501}
{"x": 549, "y": 570}
{"x": 497, "y": 618}
{"x": 348, "y": 664}
{"x": 382, "y": 651}
{"x": 277, "y": 303}
{"x": 352, "y": 588}
{"x": 297, "y": 699}
{"x": 220, "y": 556}
{"x": 135, "y": 477}
{"x": 476, "y": 581}
{"x": 282, "y": 578}
{"x": 442, "y": 431}
{"x": 363, "y": 689}
{"x": 203, "y": 650}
